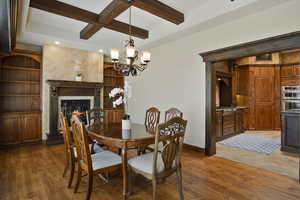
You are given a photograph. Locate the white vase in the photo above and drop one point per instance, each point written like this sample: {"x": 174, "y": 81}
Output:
{"x": 126, "y": 125}
{"x": 78, "y": 78}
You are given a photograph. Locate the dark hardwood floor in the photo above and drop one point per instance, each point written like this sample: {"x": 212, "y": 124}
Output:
{"x": 35, "y": 172}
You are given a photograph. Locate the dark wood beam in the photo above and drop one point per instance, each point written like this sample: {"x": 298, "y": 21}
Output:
{"x": 8, "y": 25}
{"x": 160, "y": 9}
{"x": 114, "y": 9}
{"x": 73, "y": 12}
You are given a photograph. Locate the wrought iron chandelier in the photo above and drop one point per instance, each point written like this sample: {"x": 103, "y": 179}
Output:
{"x": 131, "y": 62}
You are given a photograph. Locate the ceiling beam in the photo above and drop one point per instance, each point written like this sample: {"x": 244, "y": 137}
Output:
{"x": 113, "y": 10}
{"x": 73, "y": 12}
{"x": 160, "y": 9}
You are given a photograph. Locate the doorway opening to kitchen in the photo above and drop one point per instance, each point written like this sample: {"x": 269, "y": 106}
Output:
{"x": 258, "y": 111}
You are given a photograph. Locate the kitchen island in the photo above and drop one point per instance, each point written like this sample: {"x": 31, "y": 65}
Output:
{"x": 290, "y": 134}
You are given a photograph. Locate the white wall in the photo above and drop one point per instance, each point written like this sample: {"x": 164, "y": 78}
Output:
{"x": 176, "y": 76}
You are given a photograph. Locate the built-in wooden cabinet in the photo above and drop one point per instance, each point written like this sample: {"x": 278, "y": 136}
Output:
{"x": 229, "y": 123}
{"x": 258, "y": 87}
{"x": 20, "y": 99}
{"x": 20, "y": 128}
{"x": 112, "y": 79}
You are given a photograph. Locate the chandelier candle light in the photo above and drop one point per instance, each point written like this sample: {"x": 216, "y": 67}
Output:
{"x": 131, "y": 63}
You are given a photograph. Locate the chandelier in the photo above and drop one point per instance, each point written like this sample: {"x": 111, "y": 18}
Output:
{"x": 131, "y": 62}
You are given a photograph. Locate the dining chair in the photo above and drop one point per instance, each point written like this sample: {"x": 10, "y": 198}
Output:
{"x": 152, "y": 119}
{"x": 70, "y": 149}
{"x": 95, "y": 115}
{"x": 164, "y": 162}
{"x": 91, "y": 164}
{"x": 171, "y": 113}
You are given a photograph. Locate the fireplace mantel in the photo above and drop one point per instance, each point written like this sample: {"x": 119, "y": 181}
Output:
{"x": 74, "y": 84}
{"x": 68, "y": 88}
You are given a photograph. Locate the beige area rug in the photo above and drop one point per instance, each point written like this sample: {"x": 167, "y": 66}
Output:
{"x": 277, "y": 162}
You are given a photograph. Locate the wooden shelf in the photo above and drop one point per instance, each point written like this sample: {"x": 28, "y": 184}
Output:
{"x": 21, "y": 112}
{"x": 20, "y": 82}
{"x": 19, "y": 95}
{"x": 113, "y": 76}
{"x": 19, "y": 68}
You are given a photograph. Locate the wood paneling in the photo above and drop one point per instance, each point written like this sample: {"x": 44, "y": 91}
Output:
{"x": 10, "y": 130}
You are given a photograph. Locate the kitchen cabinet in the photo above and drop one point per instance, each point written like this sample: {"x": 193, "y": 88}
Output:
{"x": 219, "y": 127}
{"x": 229, "y": 123}
{"x": 290, "y": 134}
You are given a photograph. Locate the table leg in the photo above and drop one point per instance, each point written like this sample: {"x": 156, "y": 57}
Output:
{"x": 125, "y": 173}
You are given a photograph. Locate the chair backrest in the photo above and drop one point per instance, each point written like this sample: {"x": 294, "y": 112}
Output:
{"x": 171, "y": 113}
{"x": 82, "y": 143}
{"x": 65, "y": 130}
{"x": 152, "y": 119}
{"x": 96, "y": 115}
{"x": 171, "y": 135}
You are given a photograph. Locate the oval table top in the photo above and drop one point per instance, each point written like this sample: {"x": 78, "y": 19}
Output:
{"x": 114, "y": 132}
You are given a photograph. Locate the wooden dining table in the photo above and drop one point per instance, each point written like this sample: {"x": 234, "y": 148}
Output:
{"x": 112, "y": 135}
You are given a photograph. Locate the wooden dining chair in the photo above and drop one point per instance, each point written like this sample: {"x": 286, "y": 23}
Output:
{"x": 69, "y": 147}
{"x": 152, "y": 119}
{"x": 171, "y": 113}
{"x": 164, "y": 162}
{"x": 95, "y": 115}
{"x": 99, "y": 163}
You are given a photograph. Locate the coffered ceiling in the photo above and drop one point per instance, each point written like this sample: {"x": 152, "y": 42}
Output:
{"x": 39, "y": 27}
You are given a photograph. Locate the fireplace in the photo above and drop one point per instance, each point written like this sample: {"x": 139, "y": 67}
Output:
{"x": 67, "y": 96}
{"x": 68, "y": 104}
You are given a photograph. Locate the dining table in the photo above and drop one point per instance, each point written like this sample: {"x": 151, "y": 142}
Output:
{"x": 112, "y": 135}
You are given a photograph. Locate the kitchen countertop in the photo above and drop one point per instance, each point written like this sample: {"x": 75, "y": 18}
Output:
{"x": 291, "y": 112}
{"x": 231, "y": 108}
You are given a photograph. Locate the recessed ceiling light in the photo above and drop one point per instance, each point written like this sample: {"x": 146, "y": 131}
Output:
{"x": 57, "y": 42}
{"x": 100, "y": 50}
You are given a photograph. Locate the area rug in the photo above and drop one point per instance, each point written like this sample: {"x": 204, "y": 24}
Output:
{"x": 253, "y": 143}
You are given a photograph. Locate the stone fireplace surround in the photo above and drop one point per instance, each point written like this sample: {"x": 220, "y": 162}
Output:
{"x": 65, "y": 89}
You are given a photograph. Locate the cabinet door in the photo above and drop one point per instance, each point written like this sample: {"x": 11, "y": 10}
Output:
{"x": 243, "y": 81}
{"x": 264, "y": 117}
{"x": 114, "y": 116}
{"x": 287, "y": 71}
{"x": 297, "y": 70}
{"x": 31, "y": 128}
{"x": 219, "y": 127}
{"x": 228, "y": 123}
{"x": 10, "y": 130}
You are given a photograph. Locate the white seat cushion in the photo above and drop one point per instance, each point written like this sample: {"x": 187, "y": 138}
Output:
{"x": 144, "y": 163}
{"x": 105, "y": 159}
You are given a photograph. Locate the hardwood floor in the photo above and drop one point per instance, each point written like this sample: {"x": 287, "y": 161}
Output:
{"x": 35, "y": 172}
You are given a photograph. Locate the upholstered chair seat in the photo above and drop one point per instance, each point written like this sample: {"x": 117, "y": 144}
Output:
{"x": 144, "y": 163}
{"x": 105, "y": 159}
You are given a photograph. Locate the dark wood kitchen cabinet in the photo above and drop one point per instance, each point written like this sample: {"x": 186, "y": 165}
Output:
{"x": 219, "y": 127}
{"x": 229, "y": 123}
{"x": 290, "y": 134}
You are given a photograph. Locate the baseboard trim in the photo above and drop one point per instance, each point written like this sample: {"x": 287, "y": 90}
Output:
{"x": 192, "y": 147}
